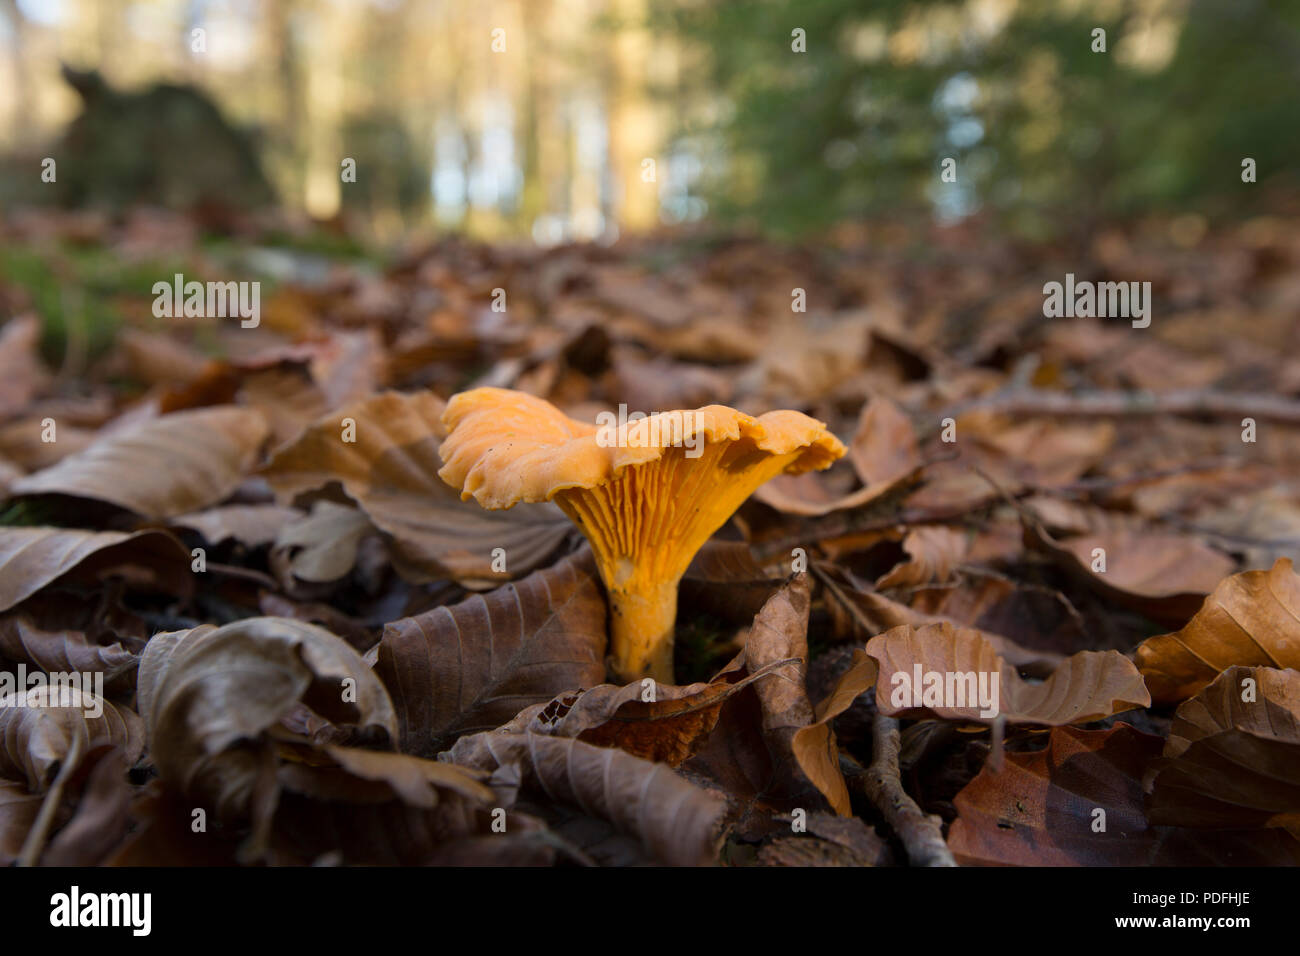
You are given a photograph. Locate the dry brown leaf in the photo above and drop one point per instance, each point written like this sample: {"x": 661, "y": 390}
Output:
{"x": 725, "y": 580}
{"x": 869, "y": 613}
{"x": 162, "y": 467}
{"x": 1164, "y": 576}
{"x": 391, "y": 472}
{"x": 1233, "y": 754}
{"x": 41, "y": 725}
{"x": 101, "y": 818}
{"x": 1041, "y": 808}
{"x": 1086, "y": 686}
{"x": 814, "y": 746}
{"x": 659, "y": 722}
{"x": 1261, "y": 700}
{"x": 676, "y": 821}
{"x": 475, "y": 665}
{"x": 1251, "y": 619}
{"x": 1232, "y": 779}
{"x": 65, "y": 651}
{"x": 32, "y": 558}
{"x": 934, "y": 553}
{"x": 756, "y": 752}
{"x": 213, "y": 694}
{"x": 883, "y": 452}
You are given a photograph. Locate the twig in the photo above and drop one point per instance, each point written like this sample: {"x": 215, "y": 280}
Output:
{"x": 920, "y": 833}
{"x": 34, "y": 844}
{"x": 1113, "y": 404}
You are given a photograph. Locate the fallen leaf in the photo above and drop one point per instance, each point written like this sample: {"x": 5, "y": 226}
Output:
{"x": 213, "y": 694}
{"x": 64, "y": 651}
{"x": 475, "y": 665}
{"x": 659, "y": 722}
{"x": 883, "y": 452}
{"x": 1251, "y": 619}
{"x": 1041, "y": 809}
{"x": 1260, "y": 700}
{"x": 162, "y": 467}
{"x": 956, "y": 663}
{"x": 40, "y": 725}
{"x": 322, "y": 546}
{"x": 391, "y": 472}
{"x": 1164, "y": 576}
{"x": 676, "y": 821}
{"x": 1232, "y": 779}
{"x": 934, "y": 552}
{"x": 251, "y": 525}
{"x": 33, "y": 558}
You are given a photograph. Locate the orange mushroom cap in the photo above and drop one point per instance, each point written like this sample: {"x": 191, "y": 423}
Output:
{"x": 647, "y": 494}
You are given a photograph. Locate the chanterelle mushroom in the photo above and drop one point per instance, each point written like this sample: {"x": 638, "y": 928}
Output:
{"x": 647, "y": 494}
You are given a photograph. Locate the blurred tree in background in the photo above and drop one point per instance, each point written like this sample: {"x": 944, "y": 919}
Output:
{"x": 1046, "y": 131}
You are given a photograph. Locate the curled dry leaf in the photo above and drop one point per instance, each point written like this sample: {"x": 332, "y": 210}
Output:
{"x": 213, "y": 694}
{"x": 884, "y": 454}
{"x": 870, "y": 613}
{"x": 1233, "y": 754}
{"x": 1164, "y": 576}
{"x": 322, "y": 546}
{"x": 933, "y": 553}
{"x": 475, "y": 665}
{"x": 31, "y": 558}
{"x": 162, "y": 467}
{"x": 1260, "y": 700}
{"x": 676, "y": 821}
{"x": 769, "y": 748}
{"x": 1251, "y": 619}
{"x": 659, "y": 722}
{"x": 814, "y": 745}
{"x": 41, "y": 725}
{"x": 792, "y": 728}
{"x": 391, "y": 471}
{"x": 66, "y": 651}
{"x": 101, "y": 818}
{"x": 957, "y": 664}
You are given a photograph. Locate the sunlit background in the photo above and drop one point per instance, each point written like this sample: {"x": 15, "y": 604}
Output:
{"x": 583, "y": 119}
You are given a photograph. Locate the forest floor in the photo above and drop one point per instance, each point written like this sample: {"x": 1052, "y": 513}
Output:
{"x": 300, "y": 645}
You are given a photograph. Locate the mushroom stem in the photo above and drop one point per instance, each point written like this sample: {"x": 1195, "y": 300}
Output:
{"x": 643, "y": 619}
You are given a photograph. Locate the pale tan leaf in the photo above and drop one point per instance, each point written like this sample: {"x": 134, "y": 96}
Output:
{"x": 948, "y": 668}
{"x": 161, "y": 467}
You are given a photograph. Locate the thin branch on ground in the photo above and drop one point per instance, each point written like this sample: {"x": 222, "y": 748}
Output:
{"x": 920, "y": 833}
